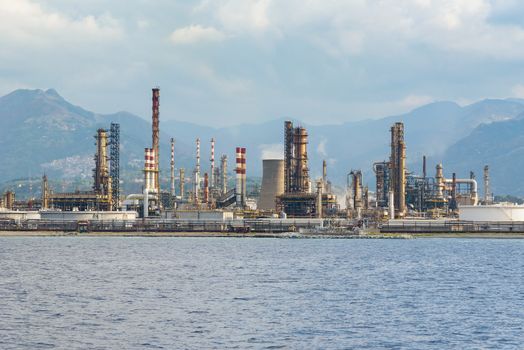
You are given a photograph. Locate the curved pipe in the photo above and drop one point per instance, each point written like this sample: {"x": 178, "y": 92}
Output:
{"x": 472, "y": 182}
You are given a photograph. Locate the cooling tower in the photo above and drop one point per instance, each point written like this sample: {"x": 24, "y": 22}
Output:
{"x": 272, "y": 183}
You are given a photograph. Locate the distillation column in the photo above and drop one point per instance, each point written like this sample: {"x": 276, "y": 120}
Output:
{"x": 102, "y": 185}
{"x": 300, "y": 141}
{"x": 398, "y": 168}
{"x": 288, "y": 157}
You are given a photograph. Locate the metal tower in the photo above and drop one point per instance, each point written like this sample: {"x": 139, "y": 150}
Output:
{"x": 114, "y": 159}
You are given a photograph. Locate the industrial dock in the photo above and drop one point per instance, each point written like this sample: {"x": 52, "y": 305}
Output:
{"x": 201, "y": 200}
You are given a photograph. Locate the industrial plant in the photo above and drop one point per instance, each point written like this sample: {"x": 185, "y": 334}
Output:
{"x": 200, "y": 199}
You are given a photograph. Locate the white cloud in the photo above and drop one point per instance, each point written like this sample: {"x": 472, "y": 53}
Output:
{"x": 222, "y": 85}
{"x": 195, "y": 34}
{"x": 238, "y": 16}
{"x": 142, "y": 24}
{"x": 25, "y": 22}
{"x": 351, "y": 27}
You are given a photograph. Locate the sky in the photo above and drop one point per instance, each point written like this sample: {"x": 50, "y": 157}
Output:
{"x": 224, "y": 62}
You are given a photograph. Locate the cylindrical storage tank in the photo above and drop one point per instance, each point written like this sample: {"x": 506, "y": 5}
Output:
{"x": 272, "y": 183}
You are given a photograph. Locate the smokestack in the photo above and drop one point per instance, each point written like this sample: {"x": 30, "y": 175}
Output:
{"x": 149, "y": 177}
{"x": 223, "y": 166}
{"x": 206, "y": 188}
{"x": 320, "y": 184}
{"x": 487, "y": 191}
{"x": 156, "y": 137}
{"x": 453, "y": 205}
{"x": 149, "y": 169}
{"x": 45, "y": 193}
{"x": 244, "y": 179}
{"x": 324, "y": 174}
{"x": 182, "y": 182}
{"x": 391, "y": 204}
{"x": 196, "y": 184}
{"x": 424, "y": 173}
{"x": 241, "y": 176}
{"x": 212, "y": 159}
{"x": 172, "y": 167}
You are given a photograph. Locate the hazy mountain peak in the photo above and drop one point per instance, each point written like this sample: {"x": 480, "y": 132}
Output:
{"x": 53, "y": 93}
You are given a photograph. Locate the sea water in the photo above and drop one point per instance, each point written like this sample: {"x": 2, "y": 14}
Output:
{"x": 200, "y": 293}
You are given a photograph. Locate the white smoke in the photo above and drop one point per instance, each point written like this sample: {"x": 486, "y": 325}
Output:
{"x": 321, "y": 148}
{"x": 271, "y": 151}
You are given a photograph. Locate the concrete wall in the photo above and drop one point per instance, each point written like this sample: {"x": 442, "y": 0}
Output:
{"x": 19, "y": 215}
{"x": 88, "y": 215}
{"x": 215, "y": 215}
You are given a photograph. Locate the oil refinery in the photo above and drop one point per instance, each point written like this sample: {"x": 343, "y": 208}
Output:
{"x": 290, "y": 199}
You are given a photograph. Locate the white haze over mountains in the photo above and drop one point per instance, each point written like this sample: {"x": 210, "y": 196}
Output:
{"x": 224, "y": 62}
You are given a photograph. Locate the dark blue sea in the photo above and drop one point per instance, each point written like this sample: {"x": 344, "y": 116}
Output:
{"x": 205, "y": 293}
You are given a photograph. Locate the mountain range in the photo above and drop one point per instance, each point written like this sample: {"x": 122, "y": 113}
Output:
{"x": 41, "y": 132}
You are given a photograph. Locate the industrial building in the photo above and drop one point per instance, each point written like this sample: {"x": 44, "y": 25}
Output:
{"x": 287, "y": 192}
{"x": 298, "y": 199}
{"x": 403, "y": 193}
{"x": 102, "y": 196}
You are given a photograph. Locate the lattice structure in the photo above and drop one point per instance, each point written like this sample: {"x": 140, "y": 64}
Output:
{"x": 114, "y": 163}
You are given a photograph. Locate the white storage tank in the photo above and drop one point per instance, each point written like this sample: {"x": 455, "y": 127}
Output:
{"x": 504, "y": 212}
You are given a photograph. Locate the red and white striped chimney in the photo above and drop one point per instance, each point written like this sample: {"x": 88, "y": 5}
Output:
{"x": 149, "y": 169}
{"x": 240, "y": 177}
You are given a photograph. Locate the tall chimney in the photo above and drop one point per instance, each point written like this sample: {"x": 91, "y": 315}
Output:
{"x": 156, "y": 137}
{"x": 196, "y": 185}
{"x": 240, "y": 189}
{"x": 172, "y": 167}
{"x": 206, "y": 188}
{"x": 223, "y": 169}
{"x": 424, "y": 173}
{"x": 182, "y": 182}
{"x": 324, "y": 175}
{"x": 45, "y": 193}
{"x": 487, "y": 191}
{"x": 212, "y": 159}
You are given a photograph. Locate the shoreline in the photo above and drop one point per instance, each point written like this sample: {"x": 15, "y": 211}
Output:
{"x": 371, "y": 235}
